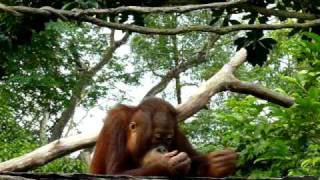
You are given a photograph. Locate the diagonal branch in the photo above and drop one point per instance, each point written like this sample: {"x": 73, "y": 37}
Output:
{"x": 172, "y": 74}
{"x": 200, "y": 58}
{"x": 85, "y": 79}
{"x": 49, "y": 152}
{"x": 109, "y": 53}
{"x": 225, "y": 80}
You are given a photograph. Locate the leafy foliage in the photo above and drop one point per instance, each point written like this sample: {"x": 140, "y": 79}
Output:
{"x": 17, "y": 141}
{"x": 14, "y": 140}
{"x": 65, "y": 164}
{"x": 257, "y": 48}
{"x": 19, "y": 30}
{"x": 272, "y": 141}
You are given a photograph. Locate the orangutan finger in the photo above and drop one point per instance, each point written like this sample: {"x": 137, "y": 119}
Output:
{"x": 171, "y": 154}
{"x": 222, "y": 153}
{"x": 225, "y": 158}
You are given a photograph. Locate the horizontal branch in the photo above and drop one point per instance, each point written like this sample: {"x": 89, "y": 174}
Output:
{"x": 260, "y": 92}
{"x": 242, "y": 4}
{"x": 51, "y": 12}
{"x": 163, "y": 9}
{"x": 200, "y": 28}
{"x": 279, "y": 13}
{"x": 138, "y": 9}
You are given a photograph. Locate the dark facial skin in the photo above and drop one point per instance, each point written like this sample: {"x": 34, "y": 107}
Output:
{"x": 163, "y": 130}
{"x": 151, "y": 127}
{"x": 163, "y": 125}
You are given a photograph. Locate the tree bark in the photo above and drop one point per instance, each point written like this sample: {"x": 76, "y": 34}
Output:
{"x": 49, "y": 152}
{"x": 177, "y": 61}
{"x": 50, "y": 12}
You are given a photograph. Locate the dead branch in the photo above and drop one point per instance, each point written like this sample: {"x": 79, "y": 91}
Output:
{"x": 225, "y": 80}
{"x": 49, "y": 152}
{"x": 260, "y": 92}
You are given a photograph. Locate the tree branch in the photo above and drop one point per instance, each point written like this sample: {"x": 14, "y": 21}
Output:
{"x": 200, "y": 58}
{"x": 68, "y": 112}
{"x": 49, "y": 152}
{"x": 242, "y": 4}
{"x": 260, "y": 92}
{"x": 279, "y": 13}
{"x": 225, "y": 80}
{"x": 168, "y": 9}
{"x": 84, "y": 82}
{"x": 51, "y": 12}
{"x": 146, "y": 10}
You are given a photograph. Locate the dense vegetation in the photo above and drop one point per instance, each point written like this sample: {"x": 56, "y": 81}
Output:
{"x": 48, "y": 74}
{"x": 272, "y": 141}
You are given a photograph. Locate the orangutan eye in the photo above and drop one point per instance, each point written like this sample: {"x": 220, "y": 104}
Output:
{"x": 169, "y": 138}
{"x": 158, "y": 137}
{"x": 132, "y": 126}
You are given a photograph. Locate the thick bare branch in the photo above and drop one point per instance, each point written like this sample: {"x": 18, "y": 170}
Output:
{"x": 51, "y": 12}
{"x": 49, "y": 152}
{"x": 260, "y": 92}
{"x": 213, "y": 85}
{"x": 225, "y": 80}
